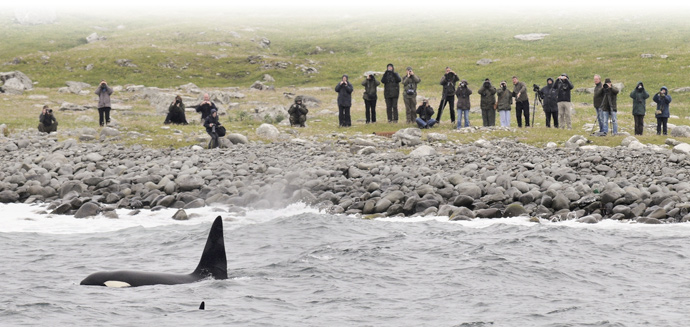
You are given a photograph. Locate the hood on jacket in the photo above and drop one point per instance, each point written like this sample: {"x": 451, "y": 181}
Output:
{"x": 391, "y": 66}
{"x": 298, "y": 98}
{"x": 346, "y": 77}
{"x": 638, "y": 85}
{"x": 664, "y": 88}
{"x": 549, "y": 79}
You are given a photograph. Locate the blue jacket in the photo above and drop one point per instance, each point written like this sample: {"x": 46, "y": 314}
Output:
{"x": 662, "y": 103}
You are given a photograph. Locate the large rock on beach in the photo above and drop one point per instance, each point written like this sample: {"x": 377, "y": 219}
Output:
{"x": 267, "y": 131}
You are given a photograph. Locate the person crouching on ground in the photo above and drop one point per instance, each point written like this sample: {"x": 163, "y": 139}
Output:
{"x": 425, "y": 112}
{"x": 639, "y": 107}
{"x": 298, "y": 112}
{"x": 505, "y": 101}
{"x": 176, "y": 113}
{"x": 46, "y": 121}
{"x": 212, "y": 125}
{"x": 663, "y": 110}
{"x": 344, "y": 90}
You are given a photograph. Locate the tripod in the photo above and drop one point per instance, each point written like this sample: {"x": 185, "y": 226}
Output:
{"x": 537, "y": 99}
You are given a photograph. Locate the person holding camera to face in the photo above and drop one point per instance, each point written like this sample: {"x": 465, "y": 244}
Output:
{"x": 488, "y": 103}
{"x": 391, "y": 92}
{"x": 597, "y": 100}
{"x": 205, "y": 107}
{"x": 46, "y": 121}
{"x": 370, "y": 97}
{"x": 639, "y": 97}
{"x": 463, "y": 93}
{"x": 214, "y": 129}
{"x": 104, "y": 92}
{"x": 344, "y": 90}
{"x": 176, "y": 113}
{"x": 425, "y": 112}
{"x": 609, "y": 107}
{"x": 663, "y": 110}
{"x": 521, "y": 101}
{"x": 448, "y": 97}
{"x": 563, "y": 85}
{"x": 410, "y": 82}
{"x": 549, "y": 96}
{"x": 298, "y": 112}
{"x": 505, "y": 101}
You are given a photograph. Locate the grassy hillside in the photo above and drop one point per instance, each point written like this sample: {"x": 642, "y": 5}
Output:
{"x": 212, "y": 50}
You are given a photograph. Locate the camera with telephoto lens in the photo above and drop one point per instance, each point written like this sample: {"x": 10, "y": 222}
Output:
{"x": 535, "y": 88}
{"x": 605, "y": 86}
{"x": 50, "y": 111}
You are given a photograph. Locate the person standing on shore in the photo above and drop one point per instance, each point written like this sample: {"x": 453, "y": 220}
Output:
{"x": 609, "y": 107}
{"x": 487, "y": 103}
{"x": 663, "y": 110}
{"x": 391, "y": 92}
{"x": 639, "y": 97}
{"x": 597, "y": 100}
{"x": 521, "y": 101}
{"x": 549, "y": 95}
{"x": 370, "y": 97}
{"x": 463, "y": 93}
{"x": 205, "y": 107}
{"x": 211, "y": 123}
{"x": 563, "y": 85}
{"x": 104, "y": 92}
{"x": 505, "y": 101}
{"x": 410, "y": 82}
{"x": 448, "y": 96}
{"x": 344, "y": 90}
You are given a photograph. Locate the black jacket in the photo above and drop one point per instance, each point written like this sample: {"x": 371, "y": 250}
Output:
{"x": 205, "y": 109}
{"x": 391, "y": 83}
{"x": 549, "y": 95}
{"x": 211, "y": 120}
{"x": 344, "y": 94}
{"x": 425, "y": 112}
{"x": 563, "y": 87}
{"x": 448, "y": 81}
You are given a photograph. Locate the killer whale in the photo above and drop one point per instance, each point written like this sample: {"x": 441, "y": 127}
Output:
{"x": 213, "y": 264}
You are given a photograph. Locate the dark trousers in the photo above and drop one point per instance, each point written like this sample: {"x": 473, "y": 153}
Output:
{"x": 344, "y": 116}
{"x": 213, "y": 143}
{"x": 447, "y": 100}
{"x": 488, "y": 117}
{"x": 661, "y": 123}
{"x": 370, "y": 110}
{"x": 639, "y": 124}
{"x": 522, "y": 108}
{"x": 392, "y": 109}
{"x": 104, "y": 116}
{"x": 548, "y": 119}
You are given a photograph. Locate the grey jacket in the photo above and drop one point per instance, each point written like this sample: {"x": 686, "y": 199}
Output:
{"x": 104, "y": 96}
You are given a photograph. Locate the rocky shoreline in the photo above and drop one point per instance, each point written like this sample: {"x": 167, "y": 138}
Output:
{"x": 367, "y": 176}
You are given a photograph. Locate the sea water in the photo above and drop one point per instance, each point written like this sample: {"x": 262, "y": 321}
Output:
{"x": 301, "y": 267}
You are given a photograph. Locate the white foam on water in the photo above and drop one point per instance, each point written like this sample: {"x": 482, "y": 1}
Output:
{"x": 33, "y": 218}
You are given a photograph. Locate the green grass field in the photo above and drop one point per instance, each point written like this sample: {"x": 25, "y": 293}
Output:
{"x": 171, "y": 50}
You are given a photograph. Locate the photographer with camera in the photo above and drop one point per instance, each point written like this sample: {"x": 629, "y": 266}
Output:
{"x": 521, "y": 101}
{"x": 214, "y": 128}
{"x": 663, "y": 111}
{"x": 463, "y": 93}
{"x": 425, "y": 112}
{"x": 563, "y": 85}
{"x": 505, "y": 101}
{"x": 46, "y": 121}
{"x": 344, "y": 90}
{"x": 410, "y": 82}
{"x": 370, "y": 97}
{"x": 487, "y": 103}
{"x": 639, "y": 97}
{"x": 298, "y": 112}
{"x": 176, "y": 113}
{"x": 549, "y": 95}
{"x": 205, "y": 107}
{"x": 391, "y": 92}
{"x": 609, "y": 107}
{"x": 448, "y": 96}
{"x": 104, "y": 92}
{"x": 597, "y": 100}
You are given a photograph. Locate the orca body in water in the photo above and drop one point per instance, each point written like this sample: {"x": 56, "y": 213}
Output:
{"x": 213, "y": 264}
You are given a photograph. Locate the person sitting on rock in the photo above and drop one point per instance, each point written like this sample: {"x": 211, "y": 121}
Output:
{"x": 205, "y": 107}
{"x": 46, "y": 121}
{"x": 298, "y": 113}
{"x": 176, "y": 113}
{"x": 211, "y": 123}
{"x": 425, "y": 112}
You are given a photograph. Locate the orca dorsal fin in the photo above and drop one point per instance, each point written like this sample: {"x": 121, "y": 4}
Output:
{"x": 213, "y": 262}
